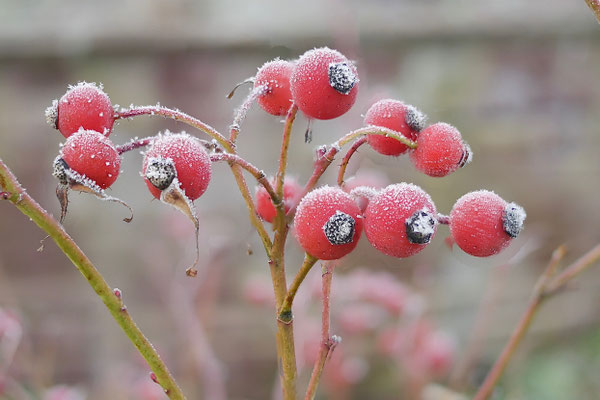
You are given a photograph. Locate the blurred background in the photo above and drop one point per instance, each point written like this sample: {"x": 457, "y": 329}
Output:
{"x": 518, "y": 79}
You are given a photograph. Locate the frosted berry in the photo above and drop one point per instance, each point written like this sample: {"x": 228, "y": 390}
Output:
{"x": 177, "y": 155}
{"x": 440, "y": 150}
{"x": 86, "y": 106}
{"x": 482, "y": 223}
{"x": 400, "y": 220}
{"x": 397, "y": 116}
{"x": 328, "y": 223}
{"x": 324, "y": 83}
{"x": 264, "y": 206}
{"x": 91, "y": 155}
{"x": 277, "y": 97}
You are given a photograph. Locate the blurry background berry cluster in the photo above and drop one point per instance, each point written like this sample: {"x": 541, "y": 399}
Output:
{"x": 518, "y": 80}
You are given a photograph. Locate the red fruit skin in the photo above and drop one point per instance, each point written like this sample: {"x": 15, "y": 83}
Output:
{"x": 476, "y": 223}
{"x": 92, "y": 154}
{"x": 191, "y": 161}
{"x": 391, "y": 114}
{"x": 310, "y": 86}
{"x": 264, "y": 206}
{"x": 85, "y": 106}
{"x": 277, "y": 98}
{"x": 312, "y": 214}
{"x": 440, "y": 150}
{"x": 386, "y": 215}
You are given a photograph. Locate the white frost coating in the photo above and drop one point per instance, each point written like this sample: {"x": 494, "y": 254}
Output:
{"x": 467, "y": 155}
{"x": 52, "y": 114}
{"x": 513, "y": 218}
{"x": 364, "y": 191}
{"x": 414, "y": 118}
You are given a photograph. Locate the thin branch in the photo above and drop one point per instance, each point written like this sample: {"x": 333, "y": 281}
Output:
{"x": 28, "y": 206}
{"x": 236, "y": 169}
{"x": 594, "y": 5}
{"x": 326, "y": 154}
{"x": 258, "y": 174}
{"x": 285, "y": 312}
{"x": 178, "y": 116}
{"x": 548, "y": 285}
{"x": 134, "y": 144}
{"x": 359, "y": 142}
{"x": 242, "y": 111}
{"x": 328, "y": 342}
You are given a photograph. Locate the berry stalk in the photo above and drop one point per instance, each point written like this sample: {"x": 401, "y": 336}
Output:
{"x": 28, "y": 206}
{"x": 177, "y": 116}
{"x": 285, "y": 313}
{"x": 259, "y": 175}
{"x": 359, "y": 142}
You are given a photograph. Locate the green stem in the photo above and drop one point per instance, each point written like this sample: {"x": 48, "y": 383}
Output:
{"x": 285, "y": 145}
{"x": 28, "y": 206}
{"x": 285, "y": 312}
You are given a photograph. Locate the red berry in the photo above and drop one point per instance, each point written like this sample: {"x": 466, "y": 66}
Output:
{"x": 181, "y": 156}
{"x": 92, "y": 155}
{"x": 83, "y": 106}
{"x": 397, "y": 116}
{"x": 277, "y": 97}
{"x": 264, "y": 206}
{"x": 328, "y": 223}
{"x": 482, "y": 223}
{"x": 400, "y": 220}
{"x": 440, "y": 150}
{"x": 324, "y": 83}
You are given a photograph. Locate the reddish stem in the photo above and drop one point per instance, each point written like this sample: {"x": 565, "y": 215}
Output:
{"x": 359, "y": 142}
{"x": 134, "y": 144}
{"x": 328, "y": 342}
{"x": 178, "y": 116}
{"x": 242, "y": 111}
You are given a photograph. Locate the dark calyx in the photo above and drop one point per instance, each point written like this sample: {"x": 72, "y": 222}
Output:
{"x": 420, "y": 227}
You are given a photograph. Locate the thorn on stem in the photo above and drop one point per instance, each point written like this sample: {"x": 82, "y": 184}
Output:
{"x": 5, "y": 195}
{"x": 118, "y": 293}
{"x": 154, "y": 378}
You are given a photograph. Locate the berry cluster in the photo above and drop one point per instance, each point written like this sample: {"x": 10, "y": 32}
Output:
{"x": 399, "y": 220}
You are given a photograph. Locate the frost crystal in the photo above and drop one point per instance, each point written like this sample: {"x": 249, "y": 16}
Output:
{"x": 341, "y": 77}
{"x": 161, "y": 172}
{"x": 52, "y": 114}
{"x": 339, "y": 229}
{"x": 420, "y": 227}
{"x": 414, "y": 118}
{"x": 513, "y": 217}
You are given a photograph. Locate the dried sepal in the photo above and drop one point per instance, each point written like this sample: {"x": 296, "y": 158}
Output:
{"x": 174, "y": 196}
{"x": 72, "y": 180}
